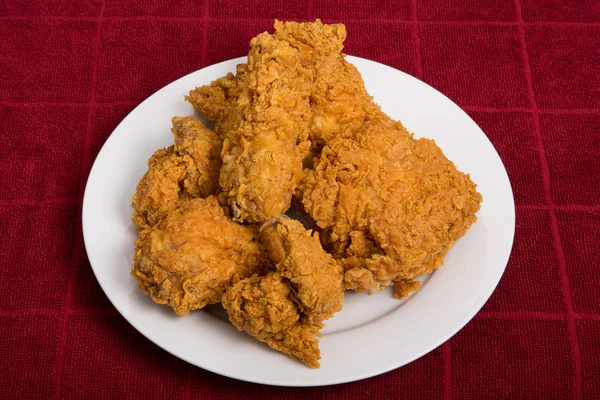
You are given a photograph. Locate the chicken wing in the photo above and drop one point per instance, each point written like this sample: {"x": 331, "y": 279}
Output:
{"x": 262, "y": 306}
{"x": 190, "y": 257}
{"x": 188, "y": 169}
{"x": 316, "y": 279}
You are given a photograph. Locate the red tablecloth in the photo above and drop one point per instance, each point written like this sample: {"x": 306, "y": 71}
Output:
{"x": 527, "y": 71}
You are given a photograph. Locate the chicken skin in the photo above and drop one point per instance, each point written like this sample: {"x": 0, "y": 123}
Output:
{"x": 316, "y": 279}
{"x": 262, "y": 306}
{"x": 188, "y": 169}
{"x": 190, "y": 257}
{"x": 390, "y": 206}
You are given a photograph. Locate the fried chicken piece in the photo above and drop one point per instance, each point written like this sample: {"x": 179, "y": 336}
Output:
{"x": 337, "y": 95}
{"x": 262, "y": 163}
{"x": 390, "y": 206}
{"x": 188, "y": 169}
{"x": 190, "y": 257}
{"x": 316, "y": 279}
{"x": 262, "y": 306}
{"x": 285, "y": 309}
{"x": 265, "y": 115}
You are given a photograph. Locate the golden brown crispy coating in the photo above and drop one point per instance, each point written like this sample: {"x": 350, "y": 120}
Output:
{"x": 193, "y": 255}
{"x": 186, "y": 170}
{"x": 335, "y": 97}
{"x": 390, "y": 206}
{"x": 315, "y": 277}
{"x": 338, "y": 99}
{"x": 262, "y": 306}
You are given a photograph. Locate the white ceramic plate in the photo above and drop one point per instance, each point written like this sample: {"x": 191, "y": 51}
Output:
{"x": 372, "y": 334}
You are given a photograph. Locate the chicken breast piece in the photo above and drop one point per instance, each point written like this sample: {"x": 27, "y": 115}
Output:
{"x": 193, "y": 255}
{"x": 262, "y": 307}
{"x": 188, "y": 169}
{"x": 390, "y": 206}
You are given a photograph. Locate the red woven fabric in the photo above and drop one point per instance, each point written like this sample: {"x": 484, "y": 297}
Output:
{"x": 527, "y": 71}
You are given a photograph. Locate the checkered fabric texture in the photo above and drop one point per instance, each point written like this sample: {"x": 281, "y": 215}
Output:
{"x": 527, "y": 71}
